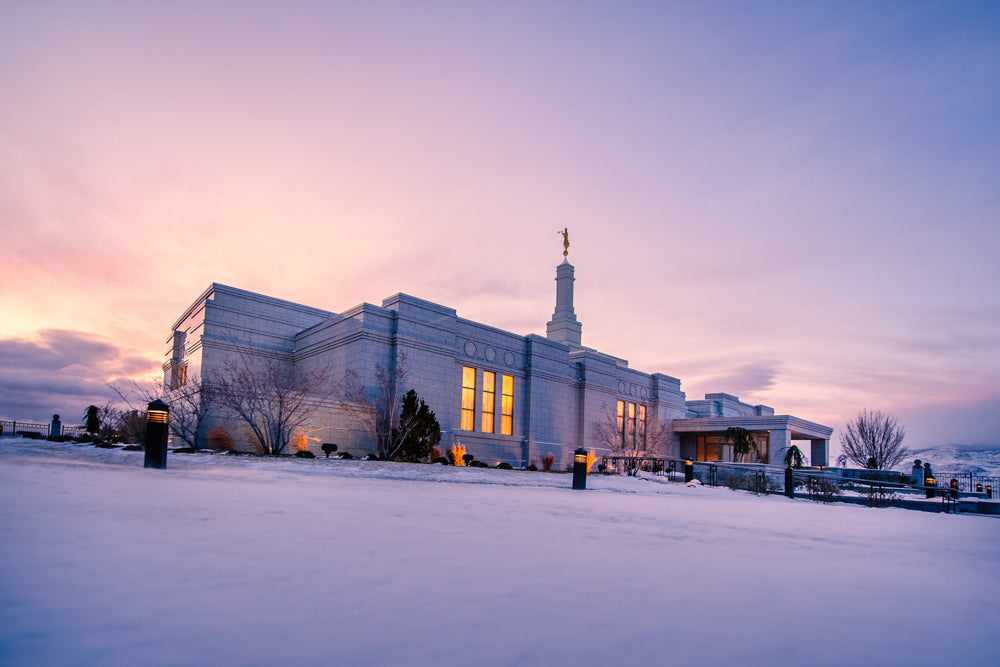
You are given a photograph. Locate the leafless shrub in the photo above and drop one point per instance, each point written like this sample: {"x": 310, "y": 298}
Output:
{"x": 761, "y": 484}
{"x": 121, "y": 424}
{"x": 822, "y": 489}
{"x": 132, "y": 426}
{"x": 879, "y": 496}
{"x": 758, "y": 484}
{"x": 735, "y": 481}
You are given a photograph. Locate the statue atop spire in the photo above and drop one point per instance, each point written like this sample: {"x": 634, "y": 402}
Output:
{"x": 564, "y": 327}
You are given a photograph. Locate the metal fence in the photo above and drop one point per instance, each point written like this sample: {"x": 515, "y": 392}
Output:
{"x": 13, "y": 428}
{"x": 967, "y": 482}
{"x": 827, "y": 484}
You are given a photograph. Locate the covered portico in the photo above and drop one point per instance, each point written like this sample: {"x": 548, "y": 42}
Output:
{"x": 779, "y": 431}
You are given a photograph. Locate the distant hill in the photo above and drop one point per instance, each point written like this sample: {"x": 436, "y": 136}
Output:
{"x": 977, "y": 459}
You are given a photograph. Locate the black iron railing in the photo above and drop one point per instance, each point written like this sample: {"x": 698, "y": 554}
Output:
{"x": 12, "y": 428}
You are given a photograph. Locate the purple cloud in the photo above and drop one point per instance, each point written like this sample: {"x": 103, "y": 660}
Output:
{"x": 61, "y": 372}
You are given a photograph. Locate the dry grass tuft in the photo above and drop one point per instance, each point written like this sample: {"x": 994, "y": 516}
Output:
{"x": 220, "y": 440}
{"x": 456, "y": 453}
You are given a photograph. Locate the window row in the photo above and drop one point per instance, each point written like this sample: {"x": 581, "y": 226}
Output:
{"x": 488, "y": 402}
{"x": 631, "y": 423}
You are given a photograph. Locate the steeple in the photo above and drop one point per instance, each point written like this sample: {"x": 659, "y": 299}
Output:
{"x": 564, "y": 327}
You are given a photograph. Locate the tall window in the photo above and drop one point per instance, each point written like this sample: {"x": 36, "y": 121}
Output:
{"x": 507, "y": 405}
{"x": 621, "y": 421}
{"x": 642, "y": 425}
{"x": 489, "y": 400}
{"x": 468, "y": 398}
{"x": 630, "y": 436}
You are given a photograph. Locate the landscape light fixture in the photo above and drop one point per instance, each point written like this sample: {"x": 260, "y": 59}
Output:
{"x": 157, "y": 414}
{"x": 930, "y": 483}
{"x": 580, "y": 469}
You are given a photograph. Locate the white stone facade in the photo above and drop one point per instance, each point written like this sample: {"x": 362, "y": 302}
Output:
{"x": 560, "y": 389}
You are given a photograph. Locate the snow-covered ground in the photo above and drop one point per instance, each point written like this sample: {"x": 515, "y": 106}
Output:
{"x": 246, "y": 561}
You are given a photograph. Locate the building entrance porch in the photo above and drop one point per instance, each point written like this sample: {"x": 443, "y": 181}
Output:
{"x": 703, "y": 438}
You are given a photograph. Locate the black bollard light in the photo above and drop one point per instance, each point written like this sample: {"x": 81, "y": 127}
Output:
{"x": 156, "y": 435}
{"x": 954, "y": 488}
{"x": 979, "y": 487}
{"x": 989, "y": 491}
{"x": 789, "y": 482}
{"x": 930, "y": 483}
{"x": 688, "y": 470}
{"x": 580, "y": 469}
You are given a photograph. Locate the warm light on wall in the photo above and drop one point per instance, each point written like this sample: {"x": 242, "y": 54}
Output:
{"x": 591, "y": 460}
{"x": 456, "y": 452}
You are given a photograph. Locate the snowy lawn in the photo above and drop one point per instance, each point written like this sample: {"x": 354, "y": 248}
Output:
{"x": 231, "y": 560}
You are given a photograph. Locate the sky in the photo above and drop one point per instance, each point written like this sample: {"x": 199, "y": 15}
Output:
{"x": 795, "y": 203}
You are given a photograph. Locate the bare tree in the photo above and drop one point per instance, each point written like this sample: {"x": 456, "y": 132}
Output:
{"x": 189, "y": 404}
{"x": 874, "y": 440}
{"x": 631, "y": 443}
{"x": 270, "y": 395}
{"x": 377, "y": 407}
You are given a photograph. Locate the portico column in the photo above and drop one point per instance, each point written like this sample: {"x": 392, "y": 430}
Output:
{"x": 778, "y": 443}
{"x": 820, "y": 454}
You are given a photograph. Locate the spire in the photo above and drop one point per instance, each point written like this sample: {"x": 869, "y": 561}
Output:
{"x": 564, "y": 327}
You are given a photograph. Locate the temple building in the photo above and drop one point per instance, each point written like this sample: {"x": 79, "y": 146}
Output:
{"x": 504, "y": 396}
